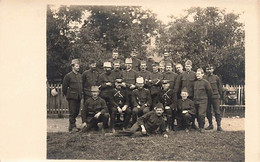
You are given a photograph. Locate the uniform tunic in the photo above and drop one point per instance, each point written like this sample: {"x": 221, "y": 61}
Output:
{"x": 89, "y": 78}
{"x": 188, "y": 105}
{"x": 152, "y": 122}
{"x": 72, "y": 88}
{"x": 171, "y": 76}
{"x": 186, "y": 80}
{"x": 202, "y": 92}
{"x": 141, "y": 97}
{"x": 92, "y": 107}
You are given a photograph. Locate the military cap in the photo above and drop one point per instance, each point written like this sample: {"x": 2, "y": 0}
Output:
{"x": 128, "y": 61}
{"x": 155, "y": 64}
{"x": 115, "y": 50}
{"x": 159, "y": 105}
{"x": 168, "y": 64}
{"x": 107, "y": 64}
{"x": 139, "y": 80}
{"x": 143, "y": 62}
{"x": 119, "y": 80}
{"x": 162, "y": 63}
{"x": 116, "y": 63}
{"x": 188, "y": 62}
{"x": 166, "y": 52}
{"x": 184, "y": 89}
{"x": 165, "y": 81}
{"x": 94, "y": 88}
{"x": 74, "y": 61}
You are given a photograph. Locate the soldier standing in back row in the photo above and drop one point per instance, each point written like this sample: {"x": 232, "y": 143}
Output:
{"x": 89, "y": 78}
{"x": 72, "y": 88}
{"x": 216, "y": 86}
{"x": 135, "y": 60}
{"x": 202, "y": 93}
{"x": 144, "y": 73}
{"x": 169, "y": 75}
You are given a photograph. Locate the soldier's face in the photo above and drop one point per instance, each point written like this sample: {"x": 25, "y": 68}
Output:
{"x": 210, "y": 70}
{"x": 168, "y": 68}
{"x": 118, "y": 85}
{"x": 188, "y": 68}
{"x": 140, "y": 85}
{"x": 116, "y": 66}
{"x": 133, "y": 54}
{"x": 115, "y": 55}
{"x": 128, "y": 66}
{"x": 159, "y": 111}
{"x": 166, "y": 86}
{"x": 179, "y": 68}
{"x": 155, "y": 68}
{"x": 93, "y": 66}
{"x": 162, "y": 67}
{"x": 143, "y": 66}
{"x": 199, "y": 75}
{"x": 76, "y": 67}
{"x": 184, "y": 95}
{"x": 95, "y": 94}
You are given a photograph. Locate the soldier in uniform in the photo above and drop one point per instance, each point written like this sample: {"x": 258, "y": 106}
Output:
{"x": 72, "y": 88}
{"x": 155, "y": 83}
{"x": 161, "y": 67}
{"x": 202, "y": 93}
{"x": 150, "y": 122}
{"x": 167, "y": 59}
{"x": 167, "y": 98}
{"x": 106, "y": 82}
{"x": 135, "y": 60}
{"x": 141, "y": 99}
{"x": 179, "y": 69}
{"x": 216, "y": 86}
{"x": 144, "y": 73}
{"x": 115, "y": 58}
{"x": 187, "y": 79}
{"x": 129, "y": 77}
{"x": 120, "y": 104}
{"x": 117, "y": 71}
{"x": 169, "y": 75}
{"x": 89, "y": 78}
{"x": 94, "y": 111}
{"x": 186, "y": 109}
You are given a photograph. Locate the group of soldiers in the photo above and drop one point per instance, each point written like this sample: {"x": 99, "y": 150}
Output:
{"x": 146, "y": 101}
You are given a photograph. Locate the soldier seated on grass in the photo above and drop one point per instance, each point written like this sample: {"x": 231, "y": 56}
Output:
{"x": 186, "y": 109}
{"x": 150, "y": 122}
{"x": 94, "y": 111}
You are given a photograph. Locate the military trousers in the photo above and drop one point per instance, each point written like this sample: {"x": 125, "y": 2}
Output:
{"x": 201, "y": 108}
{"x": 127, "y": 116}
{"x": 74, "y": 107}
{"x": 137, "y": 112}
{"x": 215, "y": 103}
{"x": 92, "y": 121}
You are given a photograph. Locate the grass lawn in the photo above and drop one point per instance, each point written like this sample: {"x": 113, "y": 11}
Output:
{"x": 213, "y": 145}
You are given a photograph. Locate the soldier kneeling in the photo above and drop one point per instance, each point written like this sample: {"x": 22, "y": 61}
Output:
{"x": 94, "y": 111}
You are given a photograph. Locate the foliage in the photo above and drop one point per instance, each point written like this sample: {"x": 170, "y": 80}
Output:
{"x": 208, "y": 35}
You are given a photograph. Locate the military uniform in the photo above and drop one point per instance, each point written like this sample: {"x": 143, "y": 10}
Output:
{"x": 155, "y": 86}
{"x": 171, "y": 76}
{"x": 91, "y": 108}
{"x": 216, "y": 86}
{"x": 89, "y": 78}
{"x": 120, "y": 98}
{"x": 202, "y": 92}
{"x": 186, "y": 79}
{"x": 151, "y": 122}
{"x": 186, "y": 111}
{"x": 167, "y": 98}
{"x": 136, "y": 63}
{"x": 146, "y": 75}
{"x": 141, "y": 97}
{"x": 72, "y": 88}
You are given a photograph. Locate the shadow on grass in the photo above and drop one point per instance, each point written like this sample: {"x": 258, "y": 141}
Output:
{"x": 217, "y": 146}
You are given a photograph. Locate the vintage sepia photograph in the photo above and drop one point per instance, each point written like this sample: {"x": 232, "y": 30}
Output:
{"x": 149, "y": 83}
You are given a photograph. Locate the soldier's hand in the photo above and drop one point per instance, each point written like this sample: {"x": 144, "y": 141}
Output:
{"x": 124, "y": 107}
{"x": 124, "y": 84}
{"x": 119, "y": 110}
{"x": 143, "y": 131}
{"x": 132, "y": 86}
{"x": 165, "y": 136}
{"x": 138, "y": 107}
{"x": 109, "y": 84}
{"x": 84, "y": 124}
{"x": 167, "y": 107}
{"x": 97, "y": 115}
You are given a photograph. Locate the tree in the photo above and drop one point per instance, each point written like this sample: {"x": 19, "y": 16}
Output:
{"x": 207, "y": 35}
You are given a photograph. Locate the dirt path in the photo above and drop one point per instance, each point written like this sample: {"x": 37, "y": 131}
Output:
{"x": 228, "y": 124}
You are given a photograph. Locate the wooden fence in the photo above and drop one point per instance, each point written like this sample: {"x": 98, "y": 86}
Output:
{"x": 58, "y": 105}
